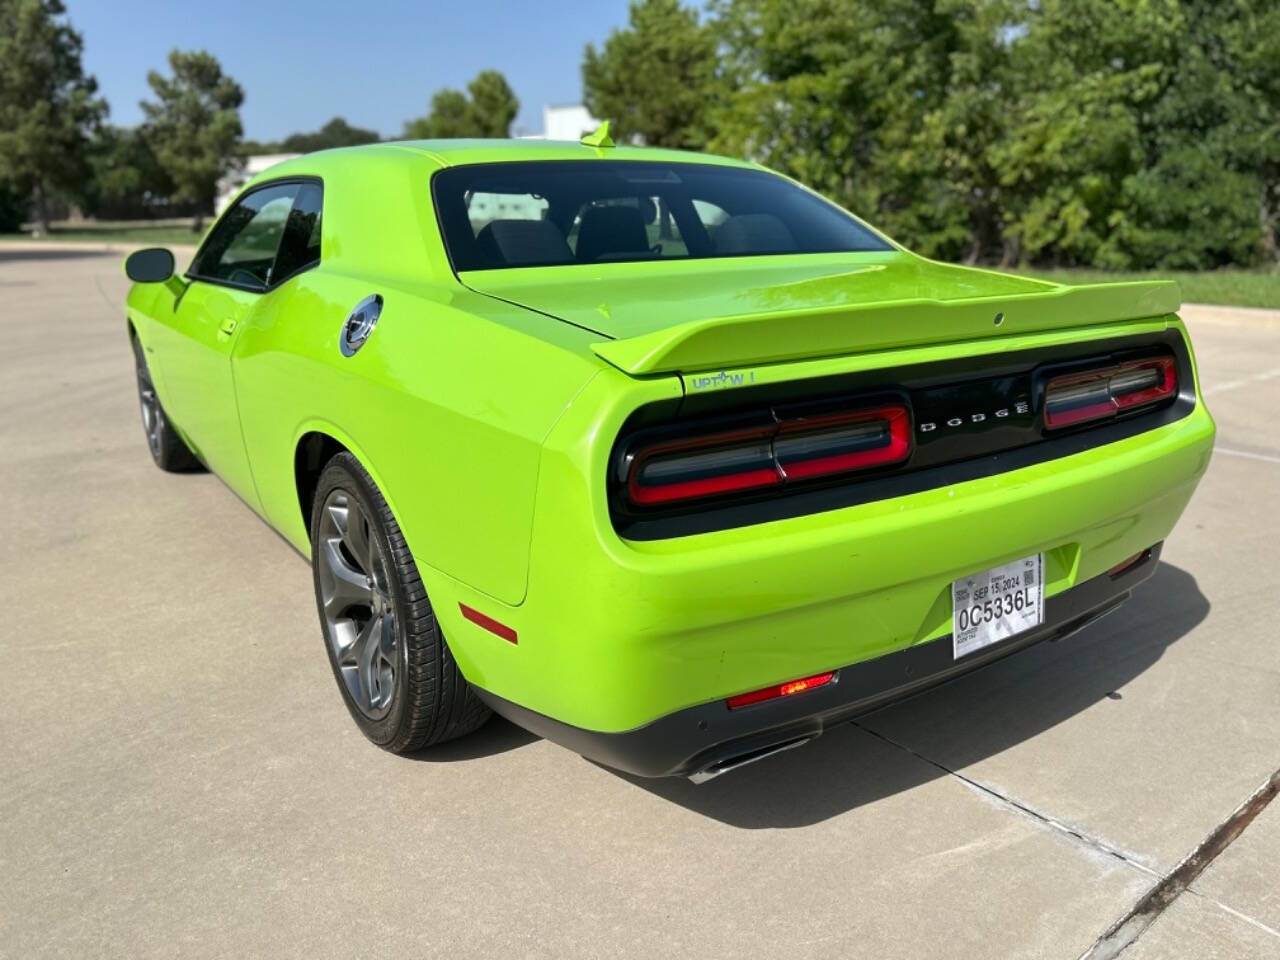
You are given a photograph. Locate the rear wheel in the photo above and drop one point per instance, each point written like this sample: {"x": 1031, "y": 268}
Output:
{"x": 168, "y": 450}
{"x": 394, "y": 669}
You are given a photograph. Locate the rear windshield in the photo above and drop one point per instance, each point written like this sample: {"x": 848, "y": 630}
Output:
{"x": 548, "y": 213}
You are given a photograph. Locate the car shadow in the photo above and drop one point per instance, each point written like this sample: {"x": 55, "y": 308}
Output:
{"x": 998, "y": 706}
{"x": 53, "y": 253}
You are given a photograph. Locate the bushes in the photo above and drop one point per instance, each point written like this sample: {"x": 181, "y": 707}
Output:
{"x": 1123, "y": 134}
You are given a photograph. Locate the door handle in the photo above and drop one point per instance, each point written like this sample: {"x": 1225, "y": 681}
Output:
{"x": 228, "y": 326}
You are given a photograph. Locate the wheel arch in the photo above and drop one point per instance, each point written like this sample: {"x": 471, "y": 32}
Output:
{"x": 314, "y": 446}
{"x": 312, "y": 451}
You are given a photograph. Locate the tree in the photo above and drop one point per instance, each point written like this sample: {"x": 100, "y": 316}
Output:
{"x": 887, "y": 106}
{"x": 194, "y": 126}
{"x": 1252, "y": 34}
{"x": 450, "y": 117}
{"x": 336, "y": 133}
{"x": 656, "y": 78}
{"x": 493, "y": 104}
{"x": 1111, "y": 133}
{"x": 1234, "y": 83}
{"x": 1144, "y": 133}
{"x": 127, "y": 180}
{"x": 487, "y": 109}
{"x": 48, "y": 107}
{"x": 1088, "y": 69}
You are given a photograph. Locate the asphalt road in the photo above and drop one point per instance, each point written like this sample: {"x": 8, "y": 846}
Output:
{"x": 178, "y": 776}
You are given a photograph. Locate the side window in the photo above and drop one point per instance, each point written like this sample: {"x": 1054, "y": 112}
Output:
{"x": 242, "y": 247}
{"x": 300, "y": 246}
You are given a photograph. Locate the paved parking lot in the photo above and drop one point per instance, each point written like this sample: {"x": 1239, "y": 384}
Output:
{"x": 178, "y": 776}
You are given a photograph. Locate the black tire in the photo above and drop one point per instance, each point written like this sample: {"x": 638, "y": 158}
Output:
{"x": 429, "y": 700}
{"x": 169, "y": 451}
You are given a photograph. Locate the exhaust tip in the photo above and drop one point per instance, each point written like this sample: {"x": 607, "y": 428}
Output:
{"x": 742, "y": 759}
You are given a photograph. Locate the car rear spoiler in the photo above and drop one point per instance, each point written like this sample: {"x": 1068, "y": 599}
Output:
{"x": 813, "y": 332}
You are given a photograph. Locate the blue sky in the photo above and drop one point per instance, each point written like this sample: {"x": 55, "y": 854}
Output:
{"x": 375, "y": 62}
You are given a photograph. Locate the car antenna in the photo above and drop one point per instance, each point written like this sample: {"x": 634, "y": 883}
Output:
{"x": 600, "y": 138}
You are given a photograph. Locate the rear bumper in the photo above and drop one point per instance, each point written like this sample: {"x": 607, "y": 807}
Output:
{"x": 616, "y": 634}
{"x": 710, "y": 739}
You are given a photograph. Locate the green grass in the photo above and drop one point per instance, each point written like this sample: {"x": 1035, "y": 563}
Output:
{"x": 1234, "y": 288}
{"x": 141, "y": 236}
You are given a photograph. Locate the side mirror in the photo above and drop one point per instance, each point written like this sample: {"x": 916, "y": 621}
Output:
{"x": 153, "y": 265}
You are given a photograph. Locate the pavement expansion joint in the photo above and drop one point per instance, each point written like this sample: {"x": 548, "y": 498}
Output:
{"x": 1168, "y": 888}
{"x": 1155, "y": 901}
{"x": 1096, "y": 844}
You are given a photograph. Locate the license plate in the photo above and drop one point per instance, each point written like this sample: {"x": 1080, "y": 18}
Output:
{"x": 996, "y": 604}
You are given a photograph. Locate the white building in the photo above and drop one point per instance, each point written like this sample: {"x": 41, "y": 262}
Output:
{"x": 230, "y": 185}
{"x": 568, "y": 121}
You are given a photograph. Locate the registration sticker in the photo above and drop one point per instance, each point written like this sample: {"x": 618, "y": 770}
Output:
{"x": 996, "y": 604}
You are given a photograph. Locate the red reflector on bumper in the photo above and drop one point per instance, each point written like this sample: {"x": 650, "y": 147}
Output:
{"x": 787, "y": 689}
{"x": 490, "y": 624}
{"x": 1137, "y": 560}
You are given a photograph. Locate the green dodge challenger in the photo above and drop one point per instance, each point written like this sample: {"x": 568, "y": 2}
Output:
{"x": 659, "y": 455}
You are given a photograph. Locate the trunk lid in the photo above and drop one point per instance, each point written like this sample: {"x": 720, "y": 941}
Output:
{"x": 696, "y": 315}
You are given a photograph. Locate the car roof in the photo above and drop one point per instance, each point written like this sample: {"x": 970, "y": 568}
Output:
{"x": 458, "y": 152}
{"x": 450, "y": 153}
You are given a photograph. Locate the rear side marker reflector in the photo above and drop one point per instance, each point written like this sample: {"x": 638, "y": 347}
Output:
{"x": 754, "y": 458}
{"x": 788, "y": 689}
{"x": 1100, "y": 394}
{"x": 490, "y": 624}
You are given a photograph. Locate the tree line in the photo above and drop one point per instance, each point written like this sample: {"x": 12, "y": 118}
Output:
{"x": 1108, "y": 133}
{"x": 57, "y": 149}
{"x": 1121, "y": 134}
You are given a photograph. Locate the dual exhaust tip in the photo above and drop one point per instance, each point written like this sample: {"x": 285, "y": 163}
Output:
{"x": 742, "y": 759}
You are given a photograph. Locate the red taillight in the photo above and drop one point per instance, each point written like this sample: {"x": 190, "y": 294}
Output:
{"x": 818, "y": 446}
{"x": 1099, "y": 394}
{"x": 794, "y": 448}
{"x": 704, "y": 466}
{"x": 788, "y": 689}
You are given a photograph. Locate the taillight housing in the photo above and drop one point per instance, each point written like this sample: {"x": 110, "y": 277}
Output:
{"x": 784, "y": 449}
{"x": 1103, "y": 393}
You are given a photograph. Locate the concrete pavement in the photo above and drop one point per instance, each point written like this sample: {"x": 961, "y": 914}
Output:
{"x": 178, "y": 776}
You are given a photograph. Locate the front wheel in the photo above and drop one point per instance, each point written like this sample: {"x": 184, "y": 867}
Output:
{"x": 168, "y": 450}
{"x": 396, "y": 674}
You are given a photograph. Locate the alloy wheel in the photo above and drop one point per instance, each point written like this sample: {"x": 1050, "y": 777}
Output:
{"x": 152, "y": 416}
{"x": 355, "y": 595}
